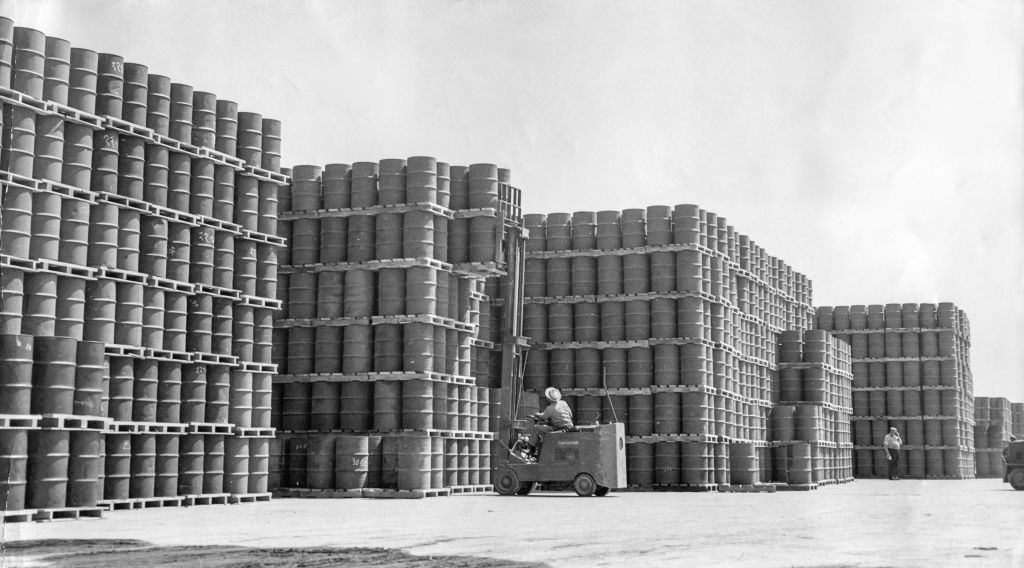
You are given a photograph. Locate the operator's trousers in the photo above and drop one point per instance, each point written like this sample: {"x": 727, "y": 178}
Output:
{"x": 894, "y": 463}
{"x": 539, "y": 430}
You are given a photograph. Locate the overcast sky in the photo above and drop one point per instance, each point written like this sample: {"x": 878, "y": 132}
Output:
{"x": 874, "y": 146}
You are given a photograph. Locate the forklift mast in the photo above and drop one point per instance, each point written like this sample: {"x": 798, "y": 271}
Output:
{"x": 513, "y": 344}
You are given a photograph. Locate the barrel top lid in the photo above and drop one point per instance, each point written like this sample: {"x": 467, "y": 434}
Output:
{"x": 483, "y": 171}
{"x": 271, "y": 124}
{"x": 135, "y": 69}
{"x": 893, "y": 306}
{"x": 661, "y": 211}
{"x": 306, "y": 172}
{"x": 226, "y": 106}
{"x": 858, "y": 308}
{"x": 841, "y": 309}
{"x": 337, "y": 171}
{"x": 504, "y": 175}
{"x": 876, "y": 308}
{"x": 83, "y": 54}
{"x": 250, "y": 119}
{"x": 181, "y": 88}
{"x": 609, "y": 216}
{"x": 30, "y": 35}
{"x": 634, "y": 214}
{"x": 56, "y": 46}
{"x": 422, "y": 163}
{"x": 907, "y": 307}
{"x": 584, "y": 217}
{"x": 392, "y": 165}
{"x": 534, "y": 219}
{"x": 364, "y": 169}
{"x": 559, "y": 219}
{"x": 825, "y": 309}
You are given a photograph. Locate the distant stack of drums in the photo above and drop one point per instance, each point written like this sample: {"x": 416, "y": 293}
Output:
{"x": 911, "y": 371}
{"x": 139, "y": 266}
{"x": 993, "y": 426}
{"x": 384, "y": 306}
{"x": 666, "y": 319}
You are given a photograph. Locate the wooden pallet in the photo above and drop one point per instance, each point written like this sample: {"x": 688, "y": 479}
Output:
{"x": 405, "y": 493}
{"x": 249, "y": 498}
{"x": 141, "y": 503}
{"x": 68, "y": 513}
{"x": 20, "y": 516}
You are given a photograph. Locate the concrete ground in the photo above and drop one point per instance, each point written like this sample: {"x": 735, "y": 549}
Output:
{"x": 905, "y": 523}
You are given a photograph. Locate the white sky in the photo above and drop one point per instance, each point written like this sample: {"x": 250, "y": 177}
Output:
{"x": 875, "y": 146}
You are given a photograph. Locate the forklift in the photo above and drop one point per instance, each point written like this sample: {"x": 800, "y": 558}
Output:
{"x": 589, "y": 458}
{"x": 1014, "y": 456}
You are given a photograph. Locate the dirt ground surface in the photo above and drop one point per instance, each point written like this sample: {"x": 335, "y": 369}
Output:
{"x": 874, "y": 523}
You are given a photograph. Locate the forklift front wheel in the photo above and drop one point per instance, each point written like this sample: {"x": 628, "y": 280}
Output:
{"x": 506, "y": 482}
{"x": 525, "y": 488}
{"x": 1017, "y": 479}
{"x": 584, "y": 485}
{"x": 601, "y": 491}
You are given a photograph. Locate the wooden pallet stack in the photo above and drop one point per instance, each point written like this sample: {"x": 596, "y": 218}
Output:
{"x": 813, "y": 414}
{"x": 911, "y": 370}
{"x": 666, "y": 319}
{"x": 138, "y": 245}
{"x": 383, "y": 291}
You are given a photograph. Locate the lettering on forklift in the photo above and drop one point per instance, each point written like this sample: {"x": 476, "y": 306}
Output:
{"x": 567, "y": 450}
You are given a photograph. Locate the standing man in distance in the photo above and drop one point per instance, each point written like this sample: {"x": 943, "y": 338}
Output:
{"x": 892, "y": 445}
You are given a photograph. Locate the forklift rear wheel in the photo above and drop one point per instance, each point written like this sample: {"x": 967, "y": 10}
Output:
{"x": 1017, "y": 479}
{"x": 506, "y": 482}
{"x": 525, "y": 488}
{"x": 601, "y": 490}
{"x": 584, "y": 485}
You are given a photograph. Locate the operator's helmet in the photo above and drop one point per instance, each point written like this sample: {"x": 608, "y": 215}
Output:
{"x": 552, "y": 394}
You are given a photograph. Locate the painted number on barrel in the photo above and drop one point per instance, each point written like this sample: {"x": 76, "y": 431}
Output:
{"x": 110, "y": 141}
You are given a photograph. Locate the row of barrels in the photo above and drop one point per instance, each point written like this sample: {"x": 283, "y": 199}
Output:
{"x": 658, "y": 318}
{"x": 144, "y": 390}
{"x": 382, "y": 348}
{"x": 993, "y": 422}
{"x": 894, "y": 316}
{"x": 383, "y": 406}
{"x": 656, "y": 226}
{"x": 102, "y": 83}
{"x": 41, "y": 225}
{"x": 703, "y": 465}
{"x": 667, "y": 413}
{"x": 808, "y": 423}
{"x": 59, "y": 375}
{"x": 917, "y": 463}
{"x": 387, "y": 235}
{"x": 131, "y": 313}
{"x": 691, "y": 364}
{"x": 49, "y": 469}
{"x": 815, "y": 384}
{"x": 909, "y": 402}
{"x": 927, "y": 373}
{"x": 1017, "y": 418}
{"x": 989, "y": 463}
{"x": 904, "y": 344}
{"x": 418, "y": 290}
{"x": 51, "y": 375}
{"x": 406, "y": 461}
{"x": 919, "y": 432}
{"x": 396, "y": 181}
{"x": 814, "y": 346}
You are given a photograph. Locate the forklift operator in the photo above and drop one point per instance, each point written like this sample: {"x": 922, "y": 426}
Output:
{"x": 556, "y": 417}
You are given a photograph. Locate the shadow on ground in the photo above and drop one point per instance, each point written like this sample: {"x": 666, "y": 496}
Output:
{"x": 135, "y": 553}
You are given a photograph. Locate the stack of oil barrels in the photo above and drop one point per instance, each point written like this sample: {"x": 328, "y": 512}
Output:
{"x": 911, "y": 371}
{"x": 138, "y": 280}
{"x": 814, "y": 406}
{"x": 383, "y": 294}
{"x": 1017, "y": 419}
{"x": 666, "y": 319}
{"x": 993, "y": 426}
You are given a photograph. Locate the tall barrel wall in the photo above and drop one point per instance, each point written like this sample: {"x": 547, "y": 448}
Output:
{"x": 814, "y": 408}
{"x": 668, "y": 320}
{"x": 138, "y": 264}
{"x": 911, "y": 371}
{"x": 384, "y": 304}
